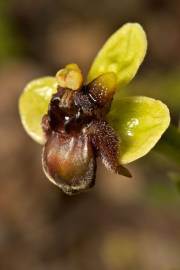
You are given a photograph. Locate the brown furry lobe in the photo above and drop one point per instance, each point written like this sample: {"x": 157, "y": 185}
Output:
{"x": 77, "y": 133}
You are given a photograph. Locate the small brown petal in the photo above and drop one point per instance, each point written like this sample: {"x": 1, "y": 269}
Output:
{"x": 102, "y": 89}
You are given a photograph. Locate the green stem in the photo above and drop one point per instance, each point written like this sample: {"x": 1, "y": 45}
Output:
{"x": 169, "y": 144}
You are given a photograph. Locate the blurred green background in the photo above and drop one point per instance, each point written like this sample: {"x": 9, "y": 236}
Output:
{"x": 121, "y": 224}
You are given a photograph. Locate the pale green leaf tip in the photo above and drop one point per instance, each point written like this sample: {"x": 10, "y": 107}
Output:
{"x": 122, "y": 53}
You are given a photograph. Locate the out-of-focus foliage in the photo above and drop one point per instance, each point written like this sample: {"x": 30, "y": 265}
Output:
{"x": 175, "y": 177}
{"x": 10, "y": 45}
{"x": 161, "y": 85}
{"x": 170, "y": 144}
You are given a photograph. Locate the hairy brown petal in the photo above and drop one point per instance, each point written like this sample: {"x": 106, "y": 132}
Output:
{"x": 106, "y": 143}
{"x": 69, "y": 162}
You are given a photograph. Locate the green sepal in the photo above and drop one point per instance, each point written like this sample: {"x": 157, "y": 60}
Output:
{"x": 33, "y": 104}
{"x": 122, "y": 54}
{"x": 139, "y": 123}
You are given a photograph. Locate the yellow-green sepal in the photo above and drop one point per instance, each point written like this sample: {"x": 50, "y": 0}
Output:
{"x": 122, "y": 54}
{"x": 33, "y": 104}
{"x": 139, "y": 123}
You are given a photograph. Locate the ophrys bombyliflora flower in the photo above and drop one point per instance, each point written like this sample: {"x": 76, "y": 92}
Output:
{"x": 79, "y": 122}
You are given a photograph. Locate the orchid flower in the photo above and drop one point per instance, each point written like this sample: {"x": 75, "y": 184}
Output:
{"x": 77, "y": 122}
